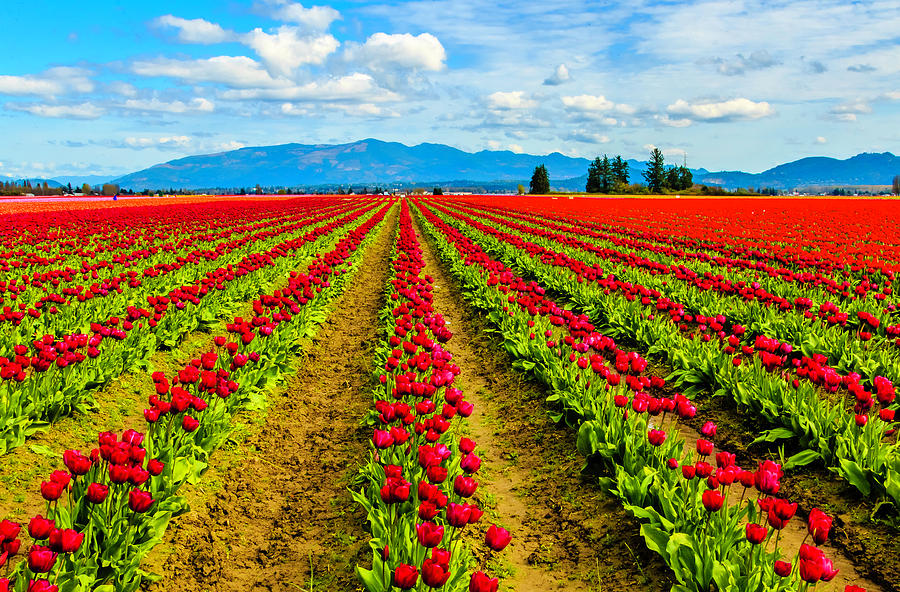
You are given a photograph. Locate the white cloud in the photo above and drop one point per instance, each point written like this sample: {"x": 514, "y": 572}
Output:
{"x": 233, "y": 71}
{"x": 81, "y": 111}
{"x": 670, "y": 122}
{"x": 821, "y": 140}
{"x": 415, "y": 52}
{"x": 516, "y": 99}
{"x": 893, "y": 95}
{"x": 196, "y": 105}
{"x": 55, "y": 81}
{"x": 287, "y": 49}
{"x": 588, "y": 137}
{"x": 849, "y": 110}
{"x": 595, "y": 104}
{"x": 195, "y": 30}
{"x": 355, "y": 86}
{"x": 559, "y": 76}
{"x": 122, "y": 88}
{"x": 732, "y": 110}
{"x": 316, "y": 18}
{"x": 170, "y": 142}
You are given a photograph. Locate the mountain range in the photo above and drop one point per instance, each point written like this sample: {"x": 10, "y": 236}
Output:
{"x": 374, "y": 162}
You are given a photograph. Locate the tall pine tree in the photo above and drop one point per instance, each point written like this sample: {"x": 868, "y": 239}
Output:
{"x": 620, "y": 170}
{"x": 540, "y": 180}
{"x": 655, "y": 175}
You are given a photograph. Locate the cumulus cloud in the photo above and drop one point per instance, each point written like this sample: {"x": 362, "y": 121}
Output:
{"x": 595, "y": 104}
{"x": 232, "y": 71}
{"x": 516, "y": 99}
{"x": 80, "y": 111}
{"x": 315, "y": 18}
{"x": 55, "y": 81}
{"x": 559, "y": 76}
{"x": 740, "y": 64}
{"x": 862, "y": 68}
{"x": 287, "y": 49}
{"x": 733, "y": 110}
{"x": 415, "y": 52}
{"x": 196, "y": 105}
{"x": 848, "y": 111}
{"x": 195, "y": 30}
{"x": 815, "y": 67}
{"x": 821, "y": 140}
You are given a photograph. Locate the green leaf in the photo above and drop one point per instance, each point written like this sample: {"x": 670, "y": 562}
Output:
{"x": 43, "y": 450}
{"x": 801, "y": 459}
{"x": 852, "y": 472}
{"x": 773, "y": 435}
{"x": 656, "y": 539}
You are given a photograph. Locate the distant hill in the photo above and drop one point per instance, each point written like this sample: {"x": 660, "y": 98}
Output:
{"x": 367, "y": 161}
{"x": 374, "y": 162}
{"x": 863, "y": 169}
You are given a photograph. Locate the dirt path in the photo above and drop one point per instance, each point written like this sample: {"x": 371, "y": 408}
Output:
{"x": 274, "y": 513}
{"x": 567, "y": 533}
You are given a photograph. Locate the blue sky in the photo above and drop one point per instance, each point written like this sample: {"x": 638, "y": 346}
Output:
{"x": 111, "y": 87}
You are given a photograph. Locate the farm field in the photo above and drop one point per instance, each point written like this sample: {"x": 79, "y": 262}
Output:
{"x": 458, "y": 393}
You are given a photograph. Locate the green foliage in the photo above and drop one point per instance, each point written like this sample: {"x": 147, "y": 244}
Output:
{"x": 896, "y": 185}
{"x": 540, "y": 180}
{"x": 607, "y": 175}
{"x": 437, "y": 191}
{"x": 655, "y": 175}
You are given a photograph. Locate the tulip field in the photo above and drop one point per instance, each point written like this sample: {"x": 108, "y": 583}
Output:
{"x": 453, "y": 393}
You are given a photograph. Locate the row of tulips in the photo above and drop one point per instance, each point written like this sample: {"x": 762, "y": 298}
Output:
{"x": 49, "y": 377}
{"x": 702, "y": 356}
{"x": 771, "y": 272}
{"x": 421, "y": 475}
{"x": 717, "y": 525}
{"x": 41, "y": 287}
{"x": 58, "y": 307}
{"x": 109, "y": 507}
{"x": 858, "y": 338}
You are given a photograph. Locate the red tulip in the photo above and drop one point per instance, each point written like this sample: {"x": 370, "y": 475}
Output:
{"x": 497, "y": 537}
{"x": 429, "y": 534}
{"x": 39, "y": 527}
{"x": 783, "y": 568}
{"x": 405, "y": 576}
{"x": 712, "y": 500}
{"x": 139, "y": 501}
{"x": 9, "y": 530}
{"x": 480, "y": 582}
{"x": 458, "y": 515}
{"x": 819, "y": 525}
{"x": 656, "y": 437}
{"x": 65, "y": 540}
{"x": 434, "y": 575}
{"x": 42, "y": 586}
{"x": 464, "y": 486}
{"x": 189, "y": 424}
{"x": 704, "y": 447}
{"x": 756, "y": 533}
{"x": 41, "y": 559}
{"x": 52, "y": 490}
{"x": 97, "y": 493}
{"x": 77, "y": 463}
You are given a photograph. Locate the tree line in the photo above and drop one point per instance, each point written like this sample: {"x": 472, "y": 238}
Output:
{"x": 611, "y": 175}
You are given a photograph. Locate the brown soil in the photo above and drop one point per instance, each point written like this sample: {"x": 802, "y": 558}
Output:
{"x": 568, "y": 534}
{"x": 274, "y": 511}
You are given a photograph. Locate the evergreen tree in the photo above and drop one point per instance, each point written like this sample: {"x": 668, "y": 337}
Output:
{"x": 594, "y": 181}
{"x": 655, "y": 175}
{"x": 620, "y": 170}
{"x": 685, "y": 178}
{"x": 896, "y": 185}
{"x": 673, "y": 179}
{"x": 540, "y": 180}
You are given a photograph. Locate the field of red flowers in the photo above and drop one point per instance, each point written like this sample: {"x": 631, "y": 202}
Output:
{"x": 451, "y": 393}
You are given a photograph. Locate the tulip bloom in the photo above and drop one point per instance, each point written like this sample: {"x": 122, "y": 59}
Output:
{"x": 405, "y": 577}
{"x": 39, "y": 528}
{"x": 783, "y": 568}
{"x": 756, "y": 533}
{"x": 41, "y": 559}
{"x": 429, "y": 534}
{"x": 712, "y": 500}
{"x": 656, "y": 437}
{"x": 464, "y": 486}
{"x": 139, "y": 501}
{"x": 819, "y": 525}
{"x": 480, "y": 582}
{"x": 497, "y": 537}
{"x": 433, "y": 574}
